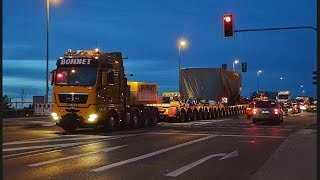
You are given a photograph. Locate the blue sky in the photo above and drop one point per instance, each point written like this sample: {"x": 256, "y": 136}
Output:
{"x": 147, "y": 32}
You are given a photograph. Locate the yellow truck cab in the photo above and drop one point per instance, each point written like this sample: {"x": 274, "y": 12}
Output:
{"x": 90, "y": 89}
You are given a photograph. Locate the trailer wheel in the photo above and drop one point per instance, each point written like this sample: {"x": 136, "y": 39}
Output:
{"x": 195, "y": 115}
{"x": 111, "y": 123}
{"x": 155, "y": 118}
{"x": 206, "y": 114}
{"x": 135, "y": 119}
{"x": 182, "y": 117}
{"x": 189, "y": 115}
{"x": 146, "y": 117}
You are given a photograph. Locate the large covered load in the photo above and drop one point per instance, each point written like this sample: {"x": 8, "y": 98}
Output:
{"x": 210, "y": 84}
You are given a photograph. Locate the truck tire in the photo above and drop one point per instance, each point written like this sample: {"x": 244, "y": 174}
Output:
{"x": 69, "y": 127}
{"x": 155, "y": 118}
{"x": 135, "y": 119}
{"x": 111, "y": 122}
{"x": 69, "y": 123}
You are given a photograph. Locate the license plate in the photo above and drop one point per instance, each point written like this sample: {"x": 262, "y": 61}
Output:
{"x": 265, "y": 112}
{"x": 72, "y": 105}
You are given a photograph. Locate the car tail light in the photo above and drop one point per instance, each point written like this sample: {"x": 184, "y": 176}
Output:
{"x": 276, "y": 111}
{"x": 254, "y": 111}
{"x": 248, "y": 109}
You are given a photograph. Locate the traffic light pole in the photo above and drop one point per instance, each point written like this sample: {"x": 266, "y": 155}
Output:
{"x": 273, "y": 29}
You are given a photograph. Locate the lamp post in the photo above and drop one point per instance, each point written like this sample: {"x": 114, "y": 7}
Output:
{"x": 47, "y": 65}
{"x": 182, "y": 43}
{"x": 233, "y": 64}
{"x": 258, "y": 75}
{"x": 302, "y": 91}
{"x": 55, "y": 2}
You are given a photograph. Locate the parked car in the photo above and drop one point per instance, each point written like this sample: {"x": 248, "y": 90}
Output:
{"x": 267, "y": 110}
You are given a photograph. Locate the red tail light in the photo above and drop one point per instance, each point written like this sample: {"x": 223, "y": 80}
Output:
{"x": 276, "y": 111}
{"x": 248, "y": 109}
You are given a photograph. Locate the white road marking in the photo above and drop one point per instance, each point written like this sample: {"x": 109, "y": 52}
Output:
{"x": 230, "y": 155}
{"x": 170, "y": 133}
{"x": 103, "y": 168}
{"x": 192, "y": 165}
{"x": 258, "y": 136}
{"x": 67, "y": 144}
{"x": 44, "y": 146}
{"x": 55, "y": 140}
{"x": 75, "y": 156}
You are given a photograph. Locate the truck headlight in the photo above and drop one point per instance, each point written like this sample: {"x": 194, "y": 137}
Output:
{"x": 54, "y": 116}
{"x": 92, "y": 117}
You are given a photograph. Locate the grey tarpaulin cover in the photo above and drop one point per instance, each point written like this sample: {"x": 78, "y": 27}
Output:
{"x": 210, "y": 83}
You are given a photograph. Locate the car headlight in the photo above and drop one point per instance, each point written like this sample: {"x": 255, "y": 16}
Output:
{"x": 92, "y": 117}
{"x": 54, "y": 116}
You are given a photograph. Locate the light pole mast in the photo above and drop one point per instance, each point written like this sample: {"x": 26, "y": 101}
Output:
{"x": 181, "y": 44}
{"x": 47, "y": 62}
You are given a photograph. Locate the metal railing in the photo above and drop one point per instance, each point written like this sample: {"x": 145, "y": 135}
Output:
{"x": 21, "y": 109}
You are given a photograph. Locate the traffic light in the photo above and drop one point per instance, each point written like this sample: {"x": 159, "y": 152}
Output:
{"x": 228, "y": 29}
{"x": 244, "y": 67}
{"x": 224, "y": 66}
{"x": 315, "y": 77}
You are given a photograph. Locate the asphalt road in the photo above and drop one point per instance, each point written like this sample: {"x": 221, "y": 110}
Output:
{"x": 225, "y": 148}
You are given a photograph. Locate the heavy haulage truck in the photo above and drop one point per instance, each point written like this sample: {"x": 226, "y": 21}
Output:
{"x": 90, "y": 90}
{"x": 207, "y": 93}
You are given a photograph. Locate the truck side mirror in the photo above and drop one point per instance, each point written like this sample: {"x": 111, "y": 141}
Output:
{"x": 107, "y": 78}
{"x": 53, "y": 75}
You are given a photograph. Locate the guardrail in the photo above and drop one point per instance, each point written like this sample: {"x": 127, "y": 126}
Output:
{"x": 26, "y": 109}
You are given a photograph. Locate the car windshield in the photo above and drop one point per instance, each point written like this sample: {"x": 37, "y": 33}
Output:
{"x": 76, "y": 76}
{"x": 265, "y": 104}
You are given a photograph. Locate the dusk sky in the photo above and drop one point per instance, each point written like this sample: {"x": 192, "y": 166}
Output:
{"x": 147, "y": 32}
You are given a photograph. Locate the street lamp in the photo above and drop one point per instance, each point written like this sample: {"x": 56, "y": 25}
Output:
{"x": 258, "y": 75}
{"x": 54, "y": 2}
{"x": 182, "y": 43}
{"x": 233, "y": 64}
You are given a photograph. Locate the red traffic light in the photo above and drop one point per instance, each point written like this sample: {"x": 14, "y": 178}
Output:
{"x": 228, "y": 27}
{"x": 228, "y": 19}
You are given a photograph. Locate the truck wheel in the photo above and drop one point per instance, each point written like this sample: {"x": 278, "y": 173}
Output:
{"x": 155, "y": 118}
{"x": 69, "y": 127}
{"x": 69, "y": 124}
{"x": 135, "y": 119}
{"x": 111, "y": 123}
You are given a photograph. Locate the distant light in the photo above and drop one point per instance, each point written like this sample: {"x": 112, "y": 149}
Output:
{"x": 281, "y": 78}
{"x": 59, "y": 75}
{"x": 227, "y": 19}
{"x": 183, "y": 43}
{"x": 55, "y": 2}
{"x": 73, "y": 71}
{"x": 236, "y": 61}
{"x": 96, "y": 49}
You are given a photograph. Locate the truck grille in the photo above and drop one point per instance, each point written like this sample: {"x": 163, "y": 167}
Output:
{"x": 79, "y": 98}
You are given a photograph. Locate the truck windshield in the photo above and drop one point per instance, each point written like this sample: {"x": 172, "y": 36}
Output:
{"x": 76, "y": 76}
{"x": 283, "y": 96}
